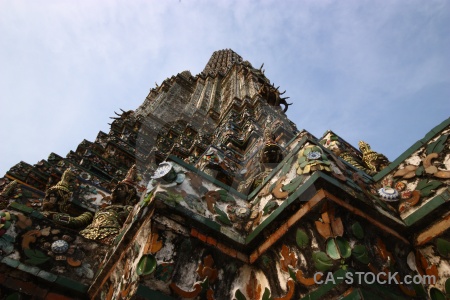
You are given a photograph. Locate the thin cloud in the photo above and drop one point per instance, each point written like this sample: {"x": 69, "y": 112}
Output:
{"x": 362, "y": 69}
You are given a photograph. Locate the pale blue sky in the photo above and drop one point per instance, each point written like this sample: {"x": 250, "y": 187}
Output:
{"x": 372, "y": 70}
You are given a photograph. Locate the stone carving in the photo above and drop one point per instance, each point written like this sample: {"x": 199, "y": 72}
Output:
{"x": 373, "y": 160}
{"x": 125, "y": 192}
{"x": 108, "y": 221}
{"x": 271, "y": 152}
{"x": 273, "y": 96}
{"x": 57, "y": 206}
{"x": 57, "y": 197}
{"x": 6, "y": 193}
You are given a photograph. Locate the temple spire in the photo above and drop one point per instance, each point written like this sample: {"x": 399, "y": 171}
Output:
{"x": 221, "y": 61}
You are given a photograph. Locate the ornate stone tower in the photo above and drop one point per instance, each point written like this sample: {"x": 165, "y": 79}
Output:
{"x": 208, "y": 191}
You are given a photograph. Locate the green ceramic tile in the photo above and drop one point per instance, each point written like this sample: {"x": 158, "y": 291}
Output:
{"x": 285, "y": 203}
{"x": 318, "y": 294}
{"x": 29, "y": 269}
{"x": 10, "y": 262}
{"x": 428, "y": 136}
{"x": 296, "y": 136}
{"x": 441, "y": 126}
{"x": 72, "y": 284}
{"x": 36, "y": 214}
{"x": 254, "y": 192}
{"x": 39, "y": 192}
{"x": 207, "y": 177}
{"x": 305, "y": 185}
{"x": 384, "y": 172}
{"x": 280, "y": 165}
{"x": 47, "y": 276}
{"x": 20, "y": 207}
{"x": 416, "y": 146}
{"x": 211, "y": 224}
{"x": 424, "y": 210}
{"x": 208, "y": 222}
{"x": 233, "y": 235}
{"x": 263, "y": 225}
{"x": 446, "y": 194}
{"x": 325, "y": 133}
{"x": 398, "y": 160}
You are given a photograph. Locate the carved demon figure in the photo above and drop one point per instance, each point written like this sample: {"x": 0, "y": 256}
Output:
{"x": 109, "y": 220}
{"x": 373, "y": 160}
{"x": 57, "y": 206}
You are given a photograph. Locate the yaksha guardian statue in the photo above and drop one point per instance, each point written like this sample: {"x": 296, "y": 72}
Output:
{"x": 373, "y": 160}
{"x": 109, "y": 220}
{"x": 57, "y": 206}
{"x": 57, "y": 197}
